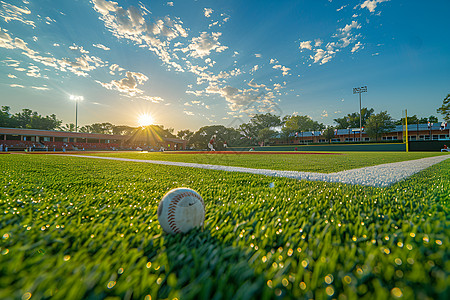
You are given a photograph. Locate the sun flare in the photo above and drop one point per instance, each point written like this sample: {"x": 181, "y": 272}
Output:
{"x": 145, "y": 120}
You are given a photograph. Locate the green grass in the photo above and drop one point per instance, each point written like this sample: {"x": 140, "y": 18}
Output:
{"x": 322, "y": 163}
{"x": 76, "y": 228}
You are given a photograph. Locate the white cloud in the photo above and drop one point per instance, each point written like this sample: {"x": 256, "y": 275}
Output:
{"x": 169, "y": 3}
{"x": 306, "y": 45}
{"x": 12, "y": 76}
{"x": 246, "y": 100}
{"x": 153, "y": 34}
{"x": 318, "y": 42}
{"x": 16, "y": 85}
{"x": 40, "y": 88}
{"x": 189, "y": 113}
{"x": 33, "y": 71}
{"x": 255, "y": 85}
{"x": 152, "y": 99}
{"x": 255, "y": 68}
{"x": 100, "y": 46}
{"x": 208, "y": 12}
{"x": 372, "y": 4}
{"x": 349, "y": 27}
{"x": 284, "y": 69}
{"x": 203, "y": 45}
{"x": 273, "y": 61}
{"x": 324, "y": 114}
{"x": 344, "y": 36}
{"x": 127, "y": 85}
{"x": 11, "y": 12}
{"x": 258, "y": 55}
{"x": 78, "y": 48}
{"x": 356, "y": 47}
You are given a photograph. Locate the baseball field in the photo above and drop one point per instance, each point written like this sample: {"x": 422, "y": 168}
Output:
{"x": 80, "y": 228}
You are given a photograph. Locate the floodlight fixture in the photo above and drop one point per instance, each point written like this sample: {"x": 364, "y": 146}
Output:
{"x": 76, "y": 99}
{"x": 359, "y": 90}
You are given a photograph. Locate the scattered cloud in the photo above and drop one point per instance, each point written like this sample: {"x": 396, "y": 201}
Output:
{"x": 154, "y": 34}
{"x": 169, "y": 3}
{"x": 78, "y": 48}
{"x": 12, "y": 76}
{"x": 208, "y": 12}
{"x": 152, "y": 99}
{"x": 318, "y": 42}
{"x": 342, "y": 39}
{"x": 306, "y": 45}
{"x": 100, "y": 46}
{"x": 127, "y": 85}
{"x": 203, "y": 45}
{"x": 356, "y": 47}
{"x": 11, "y": 12}
{"x": 189, "y": 113}
{"x": 284, "y": 69}
{"x": 16, "y": 85}
{"x": 371, "y": 5}
{"x": 255, "y": 85}
{"x": 40, "y": 88}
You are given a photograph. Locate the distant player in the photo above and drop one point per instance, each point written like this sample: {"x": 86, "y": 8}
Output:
{"x": 211, "y": 143}
{"x": 445, "y": 149}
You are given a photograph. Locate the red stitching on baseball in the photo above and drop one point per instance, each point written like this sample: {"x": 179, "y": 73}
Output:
{"x": 174, "y": 205}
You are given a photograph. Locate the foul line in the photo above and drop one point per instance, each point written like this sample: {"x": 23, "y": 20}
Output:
{"x": 376, "y": 176}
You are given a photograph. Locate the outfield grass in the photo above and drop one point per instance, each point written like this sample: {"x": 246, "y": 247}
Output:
{"x": 77, "y": 228}
{"x": 323, "y": 163}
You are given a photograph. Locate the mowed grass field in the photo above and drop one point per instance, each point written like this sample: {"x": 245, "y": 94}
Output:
{"x": 318, "y": 162}
{"x": 76, "y": 228}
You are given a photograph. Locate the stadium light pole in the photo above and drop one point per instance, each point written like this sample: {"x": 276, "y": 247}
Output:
{"x": 360, "y": 90}
{"x": 76, "y": 99}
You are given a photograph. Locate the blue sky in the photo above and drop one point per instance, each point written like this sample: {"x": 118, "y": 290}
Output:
{"x": 193, "y": 63}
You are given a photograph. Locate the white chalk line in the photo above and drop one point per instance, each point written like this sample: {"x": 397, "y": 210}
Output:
{"x": 377, "y": 176}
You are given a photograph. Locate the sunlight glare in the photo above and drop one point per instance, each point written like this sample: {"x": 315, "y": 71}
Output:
{"x": 145, "y": 120}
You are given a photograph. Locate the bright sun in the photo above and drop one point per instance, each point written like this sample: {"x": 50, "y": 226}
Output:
{"x": 145, "y": 120}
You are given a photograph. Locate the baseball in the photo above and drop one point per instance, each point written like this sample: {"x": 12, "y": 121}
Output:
{"x": 180, "y": 210}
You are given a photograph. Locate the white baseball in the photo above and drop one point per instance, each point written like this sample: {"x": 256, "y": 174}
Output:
{"x": 180, "y": 210}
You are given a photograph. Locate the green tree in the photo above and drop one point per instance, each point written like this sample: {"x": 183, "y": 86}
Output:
{"x": 352, "y": 120}
{"x": 122, "y": 130}
{"x": 295, "y": 124}
{"x": 44, "y": 123}
{"x": 258, "y": 122}
{"x": 378, "y": 124}
{"x": 185, "y": 134}
{"x": 433, "y": 119}
{"x": 23, "y": 119}
{"x": 328, "y": 133}
{"x": 201, "y": 138}
{"x": 265, "y": 134}
{"x": 444, "y": 110}
{"x": 411, "y": 120}
{"x": 5, "y": 117}
{"x": 71, "y": 128}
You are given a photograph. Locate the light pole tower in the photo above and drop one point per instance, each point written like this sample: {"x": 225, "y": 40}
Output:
{"x": 360, "y": 90}
{"x": 76, "y": 99}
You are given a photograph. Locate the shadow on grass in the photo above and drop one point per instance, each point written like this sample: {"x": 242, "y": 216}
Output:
{"x": 203, "y": 267}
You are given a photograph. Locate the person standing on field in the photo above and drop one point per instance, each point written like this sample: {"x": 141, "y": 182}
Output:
{"x": 211, "y": 143}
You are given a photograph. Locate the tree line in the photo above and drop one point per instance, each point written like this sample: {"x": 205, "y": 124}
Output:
{"x": 261, "y": 128}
